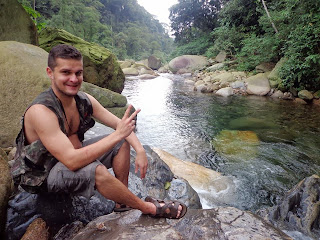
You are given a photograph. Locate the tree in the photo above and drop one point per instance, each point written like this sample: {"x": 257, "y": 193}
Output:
{"x": 268, "y": 14}
{"x": 189, "y": 16}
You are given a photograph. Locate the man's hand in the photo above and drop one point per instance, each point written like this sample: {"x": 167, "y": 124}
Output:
{"x": 141, "y": 163}
{"x": 127, "y": 123}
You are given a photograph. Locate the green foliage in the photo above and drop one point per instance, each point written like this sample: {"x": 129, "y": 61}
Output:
{"x": 34, "y": 15}
{"x": 188, "y": 15}
{"x": 256, "y": 50}
{"x": 196, "y": 47}
{"x": 302, "y": 70}
{"x": 227, "y": 39}
{"x": 123, "y": 26}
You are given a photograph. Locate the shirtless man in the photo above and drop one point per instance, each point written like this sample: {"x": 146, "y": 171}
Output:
{"x": 52, "y": 156}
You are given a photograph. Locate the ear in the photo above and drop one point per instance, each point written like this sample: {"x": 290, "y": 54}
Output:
{"x": 49, "y": 73}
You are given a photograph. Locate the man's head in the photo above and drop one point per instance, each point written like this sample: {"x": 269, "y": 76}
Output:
{"x": 63, "y": 51}
{"x": 65, "y": 69}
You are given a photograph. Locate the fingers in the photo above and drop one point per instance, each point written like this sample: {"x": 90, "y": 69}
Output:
{"x": 143, "y": 170}
{"x": 127, "y": 113}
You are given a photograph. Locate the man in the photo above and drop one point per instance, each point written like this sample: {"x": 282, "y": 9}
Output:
{"x": 51, "y": 155}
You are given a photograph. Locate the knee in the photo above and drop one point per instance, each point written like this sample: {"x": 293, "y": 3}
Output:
{"x": 102, "y": 175}
{"x": 125, "y": 147}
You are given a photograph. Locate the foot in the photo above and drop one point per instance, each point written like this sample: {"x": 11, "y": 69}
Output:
{"x": 166, "y": 209}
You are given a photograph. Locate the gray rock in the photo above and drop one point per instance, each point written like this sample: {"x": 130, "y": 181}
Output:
{"x": 277, "y": 94}
{"x": 215, "y": 67}
{"x": 274, "y": 75}
{"x": 225, "y": 92}
{"x": 147, "y": 76}
{"x": 16, "y": 24}
{"x": 56, "y": 210}
{"x": 258, "y": 85}
{"x": 299, "y": 209}
{"x": 187, "y": 63}
{"x": 225, "y": 77}
{"x": 130, "y": 71}
{"x": 237, "y": 84}
{"x": 220, "y": 223}
{"x": 221, "y": 57}
{"x": 305, "y": 95}
{"x": 154, "y": 62}
{"x": 265, "y": 67}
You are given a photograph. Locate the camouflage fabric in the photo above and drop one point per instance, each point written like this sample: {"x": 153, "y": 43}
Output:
{"x": 33, "y": 162}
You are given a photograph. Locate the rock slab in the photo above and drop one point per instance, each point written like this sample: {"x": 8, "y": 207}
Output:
{"x": 220, "y": 223}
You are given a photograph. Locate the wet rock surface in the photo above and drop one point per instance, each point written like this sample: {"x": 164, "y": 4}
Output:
{"x": 299, "y": 209}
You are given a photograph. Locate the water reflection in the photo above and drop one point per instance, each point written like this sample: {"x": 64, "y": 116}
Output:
{"x": 184, "y": 123}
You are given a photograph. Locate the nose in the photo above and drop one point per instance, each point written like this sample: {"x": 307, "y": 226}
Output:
{"x": 74, "y": 78}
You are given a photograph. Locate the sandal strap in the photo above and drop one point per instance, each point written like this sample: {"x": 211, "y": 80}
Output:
{"x": 161, "y": 211}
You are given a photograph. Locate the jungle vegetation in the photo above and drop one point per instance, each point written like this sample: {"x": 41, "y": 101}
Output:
{"x": 250, "y": 31}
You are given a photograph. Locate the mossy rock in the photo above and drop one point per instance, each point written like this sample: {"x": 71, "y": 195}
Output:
{"x": 241, "y": 145}
{"x": 274, "y": 77}
{"x": 105, "y": 97}
{"x": 100, "y": 65}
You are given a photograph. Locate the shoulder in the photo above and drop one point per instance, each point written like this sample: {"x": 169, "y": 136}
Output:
{"x": 39, "y": 111}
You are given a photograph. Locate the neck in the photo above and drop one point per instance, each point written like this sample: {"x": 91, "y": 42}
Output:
{"x": 66, "y": 100}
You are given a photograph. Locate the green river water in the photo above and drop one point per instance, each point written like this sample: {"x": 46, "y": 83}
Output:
{"x": 262, "y": 146}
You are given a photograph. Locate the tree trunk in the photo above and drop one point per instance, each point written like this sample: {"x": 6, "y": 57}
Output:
{"x": 266, "y": 9}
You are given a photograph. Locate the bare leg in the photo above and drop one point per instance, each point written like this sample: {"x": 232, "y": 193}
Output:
{"x": 111, "y": 188}
{"x": 121, "y": 163}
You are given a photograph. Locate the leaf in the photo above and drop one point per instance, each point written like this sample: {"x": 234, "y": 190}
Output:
{"x": 167, "y": 185}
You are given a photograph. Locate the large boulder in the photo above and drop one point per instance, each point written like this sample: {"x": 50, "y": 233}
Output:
{"x": 299, "y": 209}
{"x": 16, "y": 24}
{"x": 22, "y": 77}
{"x": 225, "y": 92}
{"x": 220, "y": 223}
{"x": 224, "y": 77}
{"x": 258, "y": 85}
{"x": 187, "y": 63}
{"x": 100, "y": 65}
{"x": 274, "y": 77}
{"x": 221, "y": 57}
{"x": 130, "y": 71}
{"x": 154, "y": 63}
{"x": 305, "y": 95}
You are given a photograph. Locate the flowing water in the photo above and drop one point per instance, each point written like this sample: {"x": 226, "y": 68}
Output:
{"x": 262, "y": 146}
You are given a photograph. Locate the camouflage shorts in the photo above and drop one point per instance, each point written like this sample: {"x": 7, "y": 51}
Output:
{"x": 82, "y": 181}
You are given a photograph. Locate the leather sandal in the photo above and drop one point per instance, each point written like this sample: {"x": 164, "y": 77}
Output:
{"x": 169, "y": 209}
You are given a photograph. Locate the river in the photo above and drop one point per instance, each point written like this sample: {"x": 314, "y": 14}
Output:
{"x": 280, "y": 145}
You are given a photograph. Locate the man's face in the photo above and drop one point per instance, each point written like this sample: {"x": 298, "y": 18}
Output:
{"x": 67, "y": 76}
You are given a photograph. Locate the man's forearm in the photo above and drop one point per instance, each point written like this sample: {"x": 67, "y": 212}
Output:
{"x": 81, "y": 157}
{"x": 135, "y": 143}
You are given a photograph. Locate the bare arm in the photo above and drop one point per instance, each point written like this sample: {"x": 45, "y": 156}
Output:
{"x": 45, "y": 124}
{"x": 109, "y": 119}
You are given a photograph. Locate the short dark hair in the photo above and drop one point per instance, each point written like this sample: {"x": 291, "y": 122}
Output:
{"x": 64, "y": 51}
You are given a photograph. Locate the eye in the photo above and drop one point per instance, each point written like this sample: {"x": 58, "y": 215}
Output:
{"x": 79, "y": 73}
